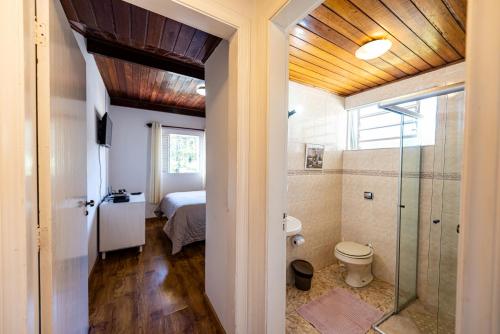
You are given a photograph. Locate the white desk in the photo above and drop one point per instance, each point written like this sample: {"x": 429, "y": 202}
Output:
{"x": 122, "y": 225}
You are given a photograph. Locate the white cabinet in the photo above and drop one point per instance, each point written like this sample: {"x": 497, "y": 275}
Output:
{"x": 122, "y": 225}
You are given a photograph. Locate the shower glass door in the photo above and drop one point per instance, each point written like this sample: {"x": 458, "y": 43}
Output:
{"x": 409, "y": 189}
{"x": 445, "y": 210}
{"x": 431, "y": 144}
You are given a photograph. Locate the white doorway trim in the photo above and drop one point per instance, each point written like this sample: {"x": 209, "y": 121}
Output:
{"x": 18, "y": 170}
{"x": 217, "y": 19}
{"x": 478, "y": 281}
{"x": 279, "y": 20}
{"x": 478, "y": 300}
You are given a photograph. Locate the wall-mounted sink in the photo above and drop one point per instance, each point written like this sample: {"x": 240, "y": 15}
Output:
{"x": 293, "y": 226}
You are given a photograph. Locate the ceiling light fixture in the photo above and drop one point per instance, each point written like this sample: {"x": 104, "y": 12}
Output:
{"x": 373, "y": 49}
{"x": 200, "y": 89}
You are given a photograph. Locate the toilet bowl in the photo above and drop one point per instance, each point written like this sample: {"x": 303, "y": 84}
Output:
{"x": 358, "y": 260}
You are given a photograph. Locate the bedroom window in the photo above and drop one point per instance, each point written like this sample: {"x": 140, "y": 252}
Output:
{"x": 181, "y": 153}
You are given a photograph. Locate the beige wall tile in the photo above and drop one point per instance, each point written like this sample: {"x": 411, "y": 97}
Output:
{"x": 315, "y": 197}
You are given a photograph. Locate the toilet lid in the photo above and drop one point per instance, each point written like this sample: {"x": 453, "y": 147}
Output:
{"x": 353, "y": 249}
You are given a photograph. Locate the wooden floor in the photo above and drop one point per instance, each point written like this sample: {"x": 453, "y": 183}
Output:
{"x": 153, "y": 291}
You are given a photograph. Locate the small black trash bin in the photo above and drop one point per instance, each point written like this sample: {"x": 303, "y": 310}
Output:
{"x": 303, "y": 272}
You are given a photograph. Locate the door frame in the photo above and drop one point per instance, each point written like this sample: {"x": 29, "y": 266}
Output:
{"x": 478, "y": 277}
{"x": 19, "y": 308}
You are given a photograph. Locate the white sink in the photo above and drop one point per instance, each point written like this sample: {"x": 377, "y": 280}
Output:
{"x": 293, "y": 226}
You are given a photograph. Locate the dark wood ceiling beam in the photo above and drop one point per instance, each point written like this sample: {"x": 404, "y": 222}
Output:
{"x": 125, "y": 53}
{"x": 133, "y": 103}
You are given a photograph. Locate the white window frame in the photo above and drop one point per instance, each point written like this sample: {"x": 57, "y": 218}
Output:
{"x": 354, "y": 130}
{"x": 165, "y": 140}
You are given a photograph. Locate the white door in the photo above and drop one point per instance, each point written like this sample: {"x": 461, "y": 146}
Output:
{"x": 62, "y": 174}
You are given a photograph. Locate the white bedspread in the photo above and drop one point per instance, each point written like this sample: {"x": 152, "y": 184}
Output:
{"x": 186, "y": 217}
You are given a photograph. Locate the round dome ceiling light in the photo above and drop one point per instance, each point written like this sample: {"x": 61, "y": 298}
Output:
{"x": 200, "y": 89}
{"x": 373, "y": 49}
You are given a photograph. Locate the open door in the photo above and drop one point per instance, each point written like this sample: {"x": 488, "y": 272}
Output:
{"x": 61, "y": 99}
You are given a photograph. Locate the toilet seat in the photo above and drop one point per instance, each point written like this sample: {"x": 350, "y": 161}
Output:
{"x": 354, "y": 250}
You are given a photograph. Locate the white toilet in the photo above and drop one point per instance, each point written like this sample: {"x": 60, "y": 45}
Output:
{"x": 358, "y": 260}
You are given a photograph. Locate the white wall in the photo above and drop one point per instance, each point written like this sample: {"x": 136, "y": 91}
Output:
{"x": 220, "y": 245}
{"x": 129, "y": 155}
{"x": 97, "y": 172}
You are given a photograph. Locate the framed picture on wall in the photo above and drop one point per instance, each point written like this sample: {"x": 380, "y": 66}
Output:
{"x": 314, "y": 156}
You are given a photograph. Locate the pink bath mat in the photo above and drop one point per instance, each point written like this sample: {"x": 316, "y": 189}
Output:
{"x": 340, "y": 312}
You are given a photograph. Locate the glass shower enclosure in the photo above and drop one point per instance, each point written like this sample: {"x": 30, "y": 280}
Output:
{"x": 428, "y": 211}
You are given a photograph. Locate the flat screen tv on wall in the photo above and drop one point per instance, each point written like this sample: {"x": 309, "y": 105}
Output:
{"x": 104, "y": 130}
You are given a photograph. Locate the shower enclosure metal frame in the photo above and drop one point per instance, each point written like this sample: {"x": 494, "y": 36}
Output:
{"x": 392, "y": 105}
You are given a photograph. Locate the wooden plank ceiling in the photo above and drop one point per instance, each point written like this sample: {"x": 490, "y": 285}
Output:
{"x": 425, "y": 35}
{"x": 146, "y": 60}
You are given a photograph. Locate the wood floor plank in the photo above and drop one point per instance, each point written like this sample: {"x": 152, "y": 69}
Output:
{"x": 153, "y": 291}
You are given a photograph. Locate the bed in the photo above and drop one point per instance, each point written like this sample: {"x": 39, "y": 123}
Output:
{"x": 185, "y": 212}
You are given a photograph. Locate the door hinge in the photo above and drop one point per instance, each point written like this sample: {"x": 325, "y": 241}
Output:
{"x": 38, "y": 239}
{"x": 40, "y": 33}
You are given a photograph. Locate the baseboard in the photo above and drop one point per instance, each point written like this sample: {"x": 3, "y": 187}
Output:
{"x": 94, "y": 265}
{"x": 209, "y": 303}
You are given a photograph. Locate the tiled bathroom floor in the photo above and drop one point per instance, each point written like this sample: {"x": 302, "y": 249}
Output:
{"x": 377, "y": 293}
{"x": 414, "y": 319}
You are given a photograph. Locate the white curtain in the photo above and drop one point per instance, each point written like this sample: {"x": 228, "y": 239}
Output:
{"x": 154, "y": 195}
{"x": 203, "y": 160}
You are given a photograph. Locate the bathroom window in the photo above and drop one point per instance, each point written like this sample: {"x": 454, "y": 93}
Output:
{"x": 370, "y": 127}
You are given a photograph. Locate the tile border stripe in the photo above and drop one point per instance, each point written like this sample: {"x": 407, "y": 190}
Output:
{"x": 375, "y": 172}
